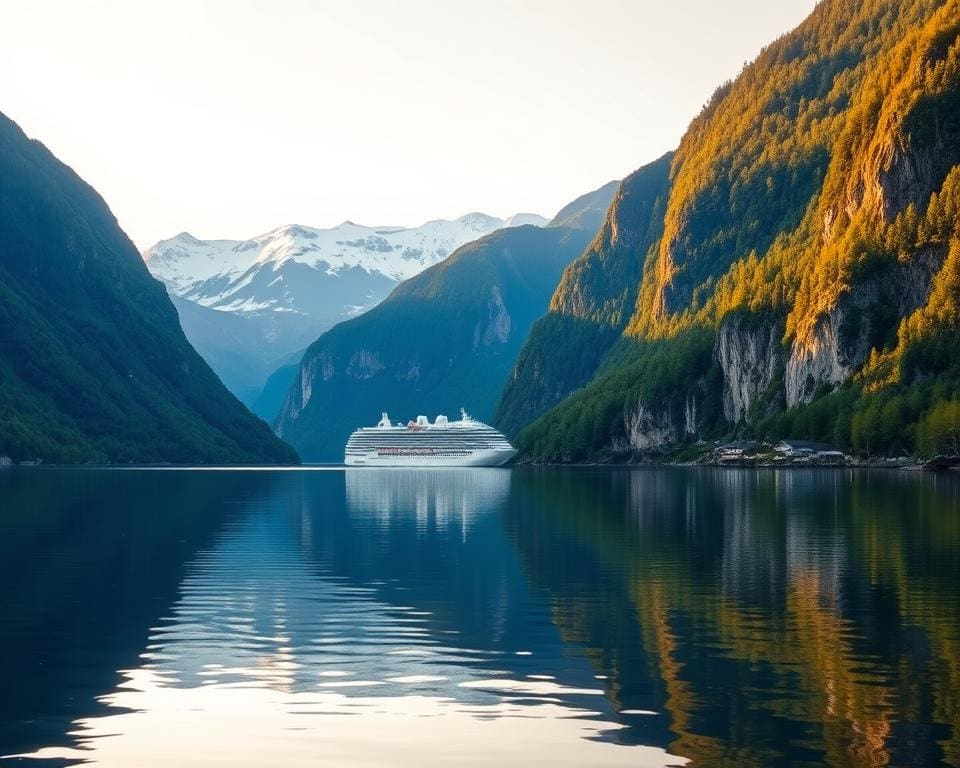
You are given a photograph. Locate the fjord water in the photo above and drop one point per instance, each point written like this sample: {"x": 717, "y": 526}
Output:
{"x": 369, "y": 617}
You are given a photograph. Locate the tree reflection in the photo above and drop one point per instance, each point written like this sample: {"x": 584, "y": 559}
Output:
{"x": 781, "y": 617}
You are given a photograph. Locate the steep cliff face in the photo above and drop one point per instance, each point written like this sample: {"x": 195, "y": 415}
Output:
{"x": 755, "y": 159}
{"x": 651, "y": 428}
{"x": 442, "y": 340}
{"x": 913, "y": 143}
{"x": 864, "y": 317}
{"x": 805, "y": 224}
{"x": 874, "y": 266}
{"x": 495, "y": 327}
{"x": 750, "y": 353}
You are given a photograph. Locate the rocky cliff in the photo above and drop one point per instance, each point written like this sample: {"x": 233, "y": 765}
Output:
{"x": 750, "y": 355}
{"x": 858, "y": 321}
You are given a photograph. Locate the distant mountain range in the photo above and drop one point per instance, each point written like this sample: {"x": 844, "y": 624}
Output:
{"x": 258, "y": 274}
{"x": 249, "y": 306}
{"x": 93, "y": 364}
{"x": 443, "y": 339}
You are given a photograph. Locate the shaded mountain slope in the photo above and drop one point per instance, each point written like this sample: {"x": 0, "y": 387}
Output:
{"x": 587, "y": 211}
{"x": 274, "y": 393}
{"x": 592, "y": 303}
{"x": 93, "y": 364}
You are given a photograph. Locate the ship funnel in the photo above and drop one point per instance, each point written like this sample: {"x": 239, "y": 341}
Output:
{"x": 384, "y": 420}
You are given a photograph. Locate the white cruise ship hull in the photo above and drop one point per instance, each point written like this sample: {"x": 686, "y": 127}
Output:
{"x": 479, "y": 458}
{"x": 464, "y": 443}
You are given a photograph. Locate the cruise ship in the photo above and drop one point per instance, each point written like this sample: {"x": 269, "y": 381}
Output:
{"x": 464, "y": 443}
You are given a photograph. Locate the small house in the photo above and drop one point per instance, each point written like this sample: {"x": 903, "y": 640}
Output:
{"x": 737, "y": 450}
{"x": 795, "y": 449}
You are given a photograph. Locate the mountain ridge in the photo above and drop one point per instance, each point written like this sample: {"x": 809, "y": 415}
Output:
{"x": 94, "y": 365}
{"x": 348, "y": 245}
{"x": 586, "y": 320}
{"x": 247, "y": 305}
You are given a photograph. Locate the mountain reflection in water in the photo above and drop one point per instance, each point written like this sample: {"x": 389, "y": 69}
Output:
{"x": 526, "y": 617}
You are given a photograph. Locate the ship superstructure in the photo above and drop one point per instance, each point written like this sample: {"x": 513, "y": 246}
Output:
{"x": 444, "y": 443}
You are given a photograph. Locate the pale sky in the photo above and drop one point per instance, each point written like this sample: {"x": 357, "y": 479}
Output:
{"x": 230, "y": 118}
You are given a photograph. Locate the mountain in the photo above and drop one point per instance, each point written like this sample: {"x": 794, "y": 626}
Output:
{"x": 442, "y": 340}
{"x": 245, "y": 349}
{"x": 271, "y": 398}
{"x": 93, "y": 364}
{"x": 594, "y": 300}
{"x": 795, "y": 273}
{"x": 247, "y": 305}
{"x": 587, "y": 211}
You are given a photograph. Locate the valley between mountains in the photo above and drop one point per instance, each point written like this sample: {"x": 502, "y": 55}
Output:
{"x": 790, "y": 269}
{"x": 252, "y": 306}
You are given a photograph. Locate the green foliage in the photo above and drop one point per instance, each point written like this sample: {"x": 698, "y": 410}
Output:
{"x": 939, "y": 431}
{"x": 895, "y": 421}
{"x": 93, "y": 364}
{"x": 594, "y": 423}
{"x": 822, "y": 184}
{"x": 592, "y": 303}
{"x": 751, "y": 167}
{"x": 561, "y": 349}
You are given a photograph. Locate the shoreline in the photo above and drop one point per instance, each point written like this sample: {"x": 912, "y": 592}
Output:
{"x": 931, "y": 465}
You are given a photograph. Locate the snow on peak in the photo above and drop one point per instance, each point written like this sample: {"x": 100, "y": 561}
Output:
{"x": 216, "y": 272}
{"x": 523, "y": 219}
{"x": 481, "y": 222}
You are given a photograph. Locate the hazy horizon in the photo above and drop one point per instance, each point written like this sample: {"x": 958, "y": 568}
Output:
{"x": 230, "y": 119}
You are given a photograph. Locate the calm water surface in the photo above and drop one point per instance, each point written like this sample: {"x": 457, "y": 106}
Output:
{"x": 479, "y": 617}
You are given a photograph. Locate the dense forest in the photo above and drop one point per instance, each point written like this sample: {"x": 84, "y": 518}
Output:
{"x": 93, "y": 364}
{"x": 800, "y": 274}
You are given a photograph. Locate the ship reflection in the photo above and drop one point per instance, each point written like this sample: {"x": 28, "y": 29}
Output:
{"x": 276, "y": 643}
{"x": 439, "y": 498}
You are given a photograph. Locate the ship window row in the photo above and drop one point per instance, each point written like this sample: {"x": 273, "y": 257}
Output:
{"x": 436, "y": 441}
{"x": 425, "y": 433}
{"x": 424, "y": 451}
{"x": 467, "y": 443}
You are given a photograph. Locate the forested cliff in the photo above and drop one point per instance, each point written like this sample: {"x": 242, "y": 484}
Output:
{"x": 792, "y": 269}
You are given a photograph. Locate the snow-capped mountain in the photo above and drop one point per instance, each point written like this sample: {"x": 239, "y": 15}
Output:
{"x": 248, "y": 306}
{"x": 267, "y": 272}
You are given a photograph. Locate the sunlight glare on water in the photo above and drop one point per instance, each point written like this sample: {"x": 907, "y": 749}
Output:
{"x": 478, "y": 617}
